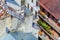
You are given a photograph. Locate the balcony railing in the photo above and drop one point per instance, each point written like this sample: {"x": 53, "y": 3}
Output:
{"x": 47, "y": 33}
{"x": 46, "y": 19}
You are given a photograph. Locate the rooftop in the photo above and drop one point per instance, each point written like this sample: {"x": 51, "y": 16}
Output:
{"x": 19, "y": 36}
{"x": 52, "y": 6}
{"x": 13, "y": 2}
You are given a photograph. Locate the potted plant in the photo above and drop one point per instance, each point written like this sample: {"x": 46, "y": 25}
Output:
{"x": 44, "y": 25}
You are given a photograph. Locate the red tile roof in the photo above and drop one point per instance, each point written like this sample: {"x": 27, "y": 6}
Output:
{"x": 52, "y": 6}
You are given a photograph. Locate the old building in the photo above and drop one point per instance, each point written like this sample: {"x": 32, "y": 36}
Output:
{"x": 50, "y": 13}
{"x": 32, "y": 5}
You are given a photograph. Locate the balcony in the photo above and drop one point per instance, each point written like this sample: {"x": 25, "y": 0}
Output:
{"x": 48, "y": 30}
{"x": 50, "y": 22}
{"x": 43, "y": 35}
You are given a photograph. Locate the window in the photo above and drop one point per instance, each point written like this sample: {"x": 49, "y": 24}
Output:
{"x": 28, "y": 5}
{"x": 48, "y": 14}
{"x": 22, "y": 2}
{"x": 42, "y": 9}
{"x": 31, "y": 0}
{"x": 31, "y": 9}
{"x": 36, "y": 3}
{"x": 35, "y": 14}
{"x": 53, "y": 18}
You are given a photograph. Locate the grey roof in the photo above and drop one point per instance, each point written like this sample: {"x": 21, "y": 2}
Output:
{"x": 12, "y": 1}
{"x": 20, "y": 36}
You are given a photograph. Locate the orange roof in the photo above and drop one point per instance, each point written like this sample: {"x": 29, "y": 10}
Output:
{"x": 52, "y": 6}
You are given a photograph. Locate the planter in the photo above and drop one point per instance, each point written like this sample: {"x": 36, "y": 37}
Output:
{"x": 42, "y": 14}
{"x": 45, "y": 26}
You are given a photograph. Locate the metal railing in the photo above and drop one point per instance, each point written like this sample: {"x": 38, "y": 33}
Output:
{"x": 46, "y": 32}
{"x": 53, "y": 26}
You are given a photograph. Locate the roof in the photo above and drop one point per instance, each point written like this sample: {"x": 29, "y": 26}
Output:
{"x": 19, "y": 36}
{"x": 52, "y": 6}
{"x": 12, "y": 1}
{"x": 13, "y": 5}
{"x": 8, "y": 37}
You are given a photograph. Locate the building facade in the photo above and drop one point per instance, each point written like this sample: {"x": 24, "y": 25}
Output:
{"x": 49, "y": 13}
{"x": 32, "y": 5}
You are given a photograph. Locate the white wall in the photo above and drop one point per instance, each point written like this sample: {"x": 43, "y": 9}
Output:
{"x": 32, "y": 4}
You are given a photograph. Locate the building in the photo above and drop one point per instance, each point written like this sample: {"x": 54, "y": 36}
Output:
{"x": 51, "y": 15}
{"x": 49, "y": 12}
{"x": 19, "y": 15}
{"x": 20, "y": 20}
{"x": 35, "y": 8}
{"x": 51, "y": 9}
{"x": 32, "y": 5}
